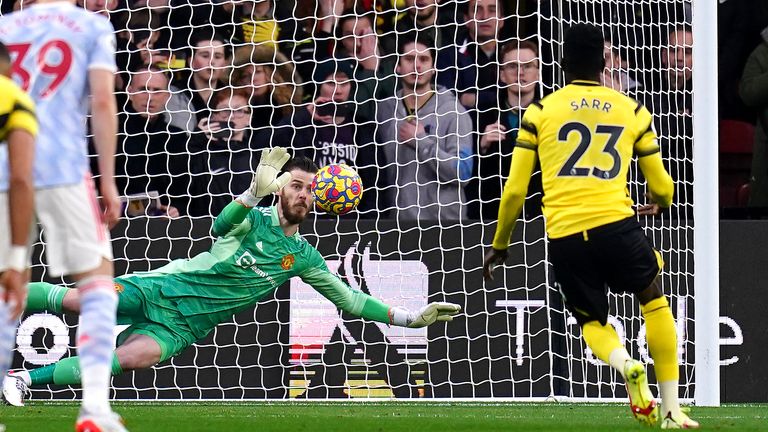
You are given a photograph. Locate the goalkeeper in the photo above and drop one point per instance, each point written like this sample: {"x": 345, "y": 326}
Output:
{"x": 257, "y": 250}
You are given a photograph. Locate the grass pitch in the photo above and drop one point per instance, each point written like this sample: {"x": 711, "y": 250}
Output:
{"x": 383, "y": 416}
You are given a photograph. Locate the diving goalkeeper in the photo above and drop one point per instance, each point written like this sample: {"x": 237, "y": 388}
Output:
{"x": 257, "y": 250}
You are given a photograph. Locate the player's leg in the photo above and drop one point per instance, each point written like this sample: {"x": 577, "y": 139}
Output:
{"x": 634, "y": 267}
{"x": 50, "y": 297}
{"x": 136, "y": 351}
{"x": 584, "y": 274}
{"x": 44, "y": 296}
{"x": 78, "y": 245}
{"x": 661, "y": 337}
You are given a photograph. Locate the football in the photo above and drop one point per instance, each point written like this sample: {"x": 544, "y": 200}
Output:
{"x": 337, "y": 189}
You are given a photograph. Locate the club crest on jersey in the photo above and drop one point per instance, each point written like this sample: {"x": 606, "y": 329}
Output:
{"x": 287, "y": 262}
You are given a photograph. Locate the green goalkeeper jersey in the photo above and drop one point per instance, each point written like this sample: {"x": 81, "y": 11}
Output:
{"x": 250, "y": 259}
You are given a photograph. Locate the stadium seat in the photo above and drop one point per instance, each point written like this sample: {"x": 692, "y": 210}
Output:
{"x": 736, "y": 141}
{"x": 736, "y": 137}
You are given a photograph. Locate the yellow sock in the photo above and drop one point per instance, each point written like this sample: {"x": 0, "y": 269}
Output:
{"x": 662, "y": 339}
{"x": 605, "y": 344}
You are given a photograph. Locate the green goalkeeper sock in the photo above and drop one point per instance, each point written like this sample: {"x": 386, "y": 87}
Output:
{"x": 64, "y": 372}
{"x": 45, "y": 296}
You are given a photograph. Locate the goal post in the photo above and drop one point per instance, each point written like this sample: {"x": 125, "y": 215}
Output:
{"x": 706, "y": 217}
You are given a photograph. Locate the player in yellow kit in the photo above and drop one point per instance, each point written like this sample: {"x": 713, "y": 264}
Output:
{"x": 584, "y": 136}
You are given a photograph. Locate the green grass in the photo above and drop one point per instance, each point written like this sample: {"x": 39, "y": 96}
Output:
{"x": 364, "y": 417}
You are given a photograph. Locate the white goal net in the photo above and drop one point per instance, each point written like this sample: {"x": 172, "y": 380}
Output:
{"x": 204, "y": 85}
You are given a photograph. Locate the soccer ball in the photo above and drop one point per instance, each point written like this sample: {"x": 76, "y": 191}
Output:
{"x": 337, "y": 189}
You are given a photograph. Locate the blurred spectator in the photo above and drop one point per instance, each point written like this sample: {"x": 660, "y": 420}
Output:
{"x": 616, "y": 72}
{"x": 434, "y": 24}
{"x": 142, "y": 50}
{"x": 427, "y": 140}
{"x": 222, "y": 160}
{"x": 479, "y": 45}
{"x": 671, "y": 105}
{"x": 258, "y": 24}
{"x": 187, "y": 18}
{"x": 326, "y": 131}
{"x": 374, "y": 76}
{"x": 209, "y": 60}
{"x": 754, "y": 93}
{"x": 498, "y": 123}
{"x": 271, "y": 81}
{"x": 101, "y": 7}
{"x": 152, "y": 154}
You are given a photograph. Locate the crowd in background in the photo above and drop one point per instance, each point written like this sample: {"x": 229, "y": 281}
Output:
{"x": 422, "y": 97}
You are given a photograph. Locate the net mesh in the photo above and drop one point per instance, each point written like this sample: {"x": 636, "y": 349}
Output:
{"x": 204, "y": 85}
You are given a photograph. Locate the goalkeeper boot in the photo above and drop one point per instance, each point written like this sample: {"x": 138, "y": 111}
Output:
{"x": 15, "y": 390}
{"x": 641, "y": 401}
{"x": 109, "y": 422}
{"x": 678, "y": 421}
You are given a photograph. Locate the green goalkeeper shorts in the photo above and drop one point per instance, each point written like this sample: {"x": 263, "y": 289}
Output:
{"x": 146, "y": 311}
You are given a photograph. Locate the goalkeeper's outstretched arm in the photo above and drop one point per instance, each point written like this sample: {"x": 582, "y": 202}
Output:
{"x": 368, "y": 307}
{"x": 265, "y": 181}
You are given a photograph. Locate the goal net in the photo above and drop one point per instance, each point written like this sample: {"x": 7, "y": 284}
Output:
{"x": 241, "y": 76}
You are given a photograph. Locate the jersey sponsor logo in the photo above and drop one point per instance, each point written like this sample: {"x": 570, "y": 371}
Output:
{"x": 245, "y": 260}
{"x": 287, "y": 262}
{"x": 119, "y": 288}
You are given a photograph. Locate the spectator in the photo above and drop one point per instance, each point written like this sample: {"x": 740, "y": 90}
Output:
{"x": 616, "y": 72}
{"x": 672, "y": 104}
{"x": 271, "y": 80}
{"x": 374, "y": 76}
{"x": 143, "y": 50}
{"x": 258, "y": 24}
{"x": 326, "y": 131}
{"x": 207, "y": 64}
{"x": 479, "y": 46}
{"x": 434, "y": 24}
{"x": 498, "y": 123}
{"x": 754, "y": 92}
{"x": 101, "y": 7}
{"x": 222, "y": 160}
{"x": 426, "y": 136}
{"x": 152, "y": 153}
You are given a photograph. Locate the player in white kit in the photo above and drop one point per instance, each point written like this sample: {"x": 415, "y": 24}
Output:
{"x": 61, "y": 55}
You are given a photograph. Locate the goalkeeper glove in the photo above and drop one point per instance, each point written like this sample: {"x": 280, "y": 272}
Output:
{"x": 425, "y": 316}
{"x": 266, "y": 181}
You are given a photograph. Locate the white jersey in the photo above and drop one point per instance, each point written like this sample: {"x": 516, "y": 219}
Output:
{"x": 52, "y": 47}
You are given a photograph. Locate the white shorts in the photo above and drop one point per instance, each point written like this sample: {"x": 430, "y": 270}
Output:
{"x": 76, "y": 239}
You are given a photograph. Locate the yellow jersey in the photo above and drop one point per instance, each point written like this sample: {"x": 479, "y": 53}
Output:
{"x": 17, "y": 111}
{"x": 584, "y": 136}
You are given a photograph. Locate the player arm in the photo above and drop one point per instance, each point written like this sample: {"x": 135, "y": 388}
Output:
{"x": 21, "y": 191}
{"x": 22, "y": 125}
{"x": 659, "y": 181}
{"x": 360, "y": 304}
{"x": 648, "y": 153}
{"x": 352, "y": 301}
{"x": 104, "y": 121}
{"x": 515, "y": 190}
{"x": 230, "y": 218}
{"x": 265, "y": 181}
{"x": 520, "y": 171}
